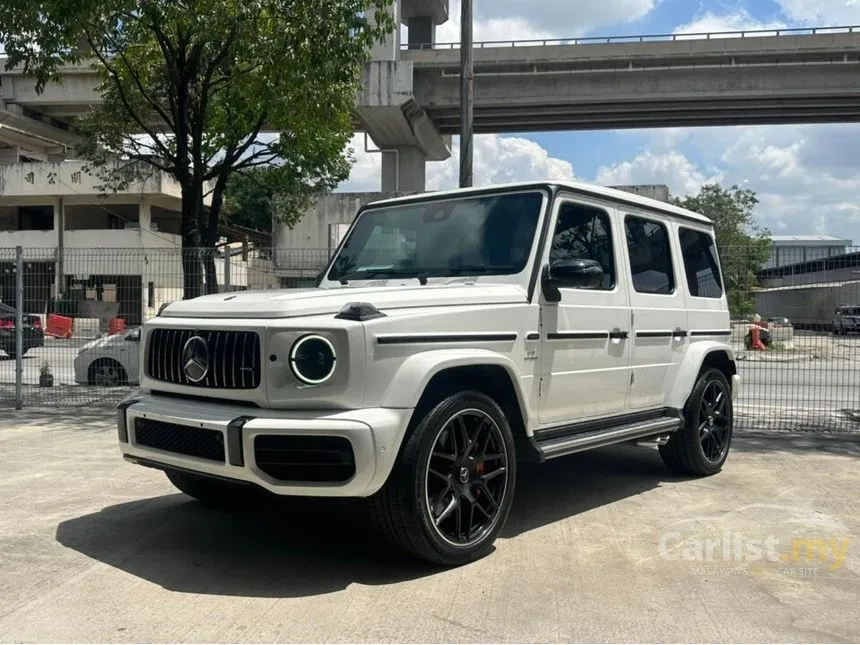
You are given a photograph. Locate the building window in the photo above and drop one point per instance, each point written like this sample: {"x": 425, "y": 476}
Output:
{"x": 700, "y": 264}
{"x": 650, "y": 256}
{"x": 36, "y": 218}
{"x": 584, "y": 233}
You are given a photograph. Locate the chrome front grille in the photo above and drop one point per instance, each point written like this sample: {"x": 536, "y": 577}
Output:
{"x": 232, "y": 358}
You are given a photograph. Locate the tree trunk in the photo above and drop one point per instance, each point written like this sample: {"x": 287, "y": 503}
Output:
{"x": 209, "y": 268}
{"x": 210, "y": 235}
{"x": 192, "y": 276}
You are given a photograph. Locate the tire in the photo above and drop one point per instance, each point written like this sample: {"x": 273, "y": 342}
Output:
{"x": 106, "y": 372}
{"x": 441, "y": 483}
{"x": 208, "y": 490}
{"x": 701, "y": 446}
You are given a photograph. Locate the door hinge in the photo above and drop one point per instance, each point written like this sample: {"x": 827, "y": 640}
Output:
{"x": 632, "y": 377}
{"x": 540, "y": 387}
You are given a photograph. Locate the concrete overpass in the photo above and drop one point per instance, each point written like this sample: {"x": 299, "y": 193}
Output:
{"x": 409, "y": 104}
{"x": 520, "y": 87}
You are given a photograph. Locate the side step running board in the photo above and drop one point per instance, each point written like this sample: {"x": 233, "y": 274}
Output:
{"x": 561, "y": 446}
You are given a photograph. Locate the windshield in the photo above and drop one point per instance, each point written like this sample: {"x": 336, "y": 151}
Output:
{"x": 481, "y": 235}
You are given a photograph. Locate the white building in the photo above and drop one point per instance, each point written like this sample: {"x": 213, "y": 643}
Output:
{"x": 119, "y": 249}
{"x": 793, "y": 249}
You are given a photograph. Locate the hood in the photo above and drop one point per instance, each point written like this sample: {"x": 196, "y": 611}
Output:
{"x": 290, "y": 303}
{"x": 104, "y": 341}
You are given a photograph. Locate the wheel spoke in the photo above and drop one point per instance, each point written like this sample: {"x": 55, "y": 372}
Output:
{"x": 442, "y": 476}
{"x": 493, "y": 474}
{"x": 486, "y": 491}
{"x": 445, "y": 455}
{"x": 463, "y": 435}
{"x": 452, "y": 505}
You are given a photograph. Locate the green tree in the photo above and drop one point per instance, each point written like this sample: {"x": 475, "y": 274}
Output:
{"x": 188, "y": 87}
{"x": 249, "y": 199}
{"x": 744, "y": 246}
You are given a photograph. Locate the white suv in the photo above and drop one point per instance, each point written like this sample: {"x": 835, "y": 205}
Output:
{"x": 452, "y": 335}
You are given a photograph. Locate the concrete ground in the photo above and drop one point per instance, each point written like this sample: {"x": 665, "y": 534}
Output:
{"x": 603, "y": 546}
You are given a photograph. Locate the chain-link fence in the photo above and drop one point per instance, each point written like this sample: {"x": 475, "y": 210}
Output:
{"x": 795, "y": 330}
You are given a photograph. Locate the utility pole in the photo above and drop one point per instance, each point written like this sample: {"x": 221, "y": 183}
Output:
{"x": 466, "y": 97}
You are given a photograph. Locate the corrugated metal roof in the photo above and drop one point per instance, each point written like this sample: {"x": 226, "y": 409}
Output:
{"x": 810, "y": 239}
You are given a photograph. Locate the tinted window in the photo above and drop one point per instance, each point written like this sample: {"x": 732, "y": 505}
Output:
{"x": 487, "y": 235}
{"x": 583, "y": 233}
{"x": 650, "y": 256}
{"x": 700, "y": 264}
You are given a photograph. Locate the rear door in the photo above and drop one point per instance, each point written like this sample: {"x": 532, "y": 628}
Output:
{"x": 658, "y": 308}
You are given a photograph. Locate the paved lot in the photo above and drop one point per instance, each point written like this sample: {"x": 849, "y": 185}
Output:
{"x": 93, "y": 549}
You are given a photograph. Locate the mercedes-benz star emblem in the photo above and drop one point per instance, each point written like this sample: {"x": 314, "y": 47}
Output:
{"x": 195, "y": 359}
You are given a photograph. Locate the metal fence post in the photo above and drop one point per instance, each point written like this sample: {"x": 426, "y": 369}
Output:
{"x": 19, "y": 328}
{"x": 228, "y": 276}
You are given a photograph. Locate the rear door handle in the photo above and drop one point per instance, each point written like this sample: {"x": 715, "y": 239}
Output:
{"x": 617, "y": 333}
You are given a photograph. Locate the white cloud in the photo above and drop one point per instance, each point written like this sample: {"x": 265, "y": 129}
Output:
{"x": 665, "y": 167}
{"x": 502, "y": 20}
{"x": 806, "y": 177}
{"x": 496, "y": 159}
{"x": 822, "y": 12}
{"x": 564, "y": 17}
{"x": 737, "y": 20}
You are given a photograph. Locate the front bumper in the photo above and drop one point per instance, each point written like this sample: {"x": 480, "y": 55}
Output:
{"x": 374, "y": 434}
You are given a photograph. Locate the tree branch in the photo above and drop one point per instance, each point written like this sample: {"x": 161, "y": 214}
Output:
{"x": 125, "y": 102}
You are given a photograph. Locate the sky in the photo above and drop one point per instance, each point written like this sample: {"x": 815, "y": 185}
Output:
{"x": 807, "y": 177}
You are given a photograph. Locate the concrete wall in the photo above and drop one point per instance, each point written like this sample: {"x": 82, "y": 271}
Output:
{"x": 69, "y": 179}
{"x": 842, "y": 274}
{"x": 314, "y": 230}
{"x": 807, "y": 306}
{"x": 653, "y": 191}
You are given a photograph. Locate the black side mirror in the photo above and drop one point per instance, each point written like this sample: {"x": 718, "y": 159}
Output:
{"x": 571, "y": 274}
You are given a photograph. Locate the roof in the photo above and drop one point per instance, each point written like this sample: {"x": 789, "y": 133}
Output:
{"x": 813, "y": 240}
{"x": 582, "y": 188}
{"x": 814, "y": 285}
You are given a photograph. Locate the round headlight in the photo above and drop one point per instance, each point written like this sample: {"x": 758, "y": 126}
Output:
{"x": 312, "y": 359}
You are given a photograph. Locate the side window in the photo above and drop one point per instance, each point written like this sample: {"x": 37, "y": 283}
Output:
{"x": 650, "y": 256}
{"x": 700, "y": 264}
{"x": 584, "y": 233}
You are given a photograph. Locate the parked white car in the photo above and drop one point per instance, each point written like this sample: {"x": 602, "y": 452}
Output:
{"x": 452, "y": 335}
{"x": 110, "y": 361}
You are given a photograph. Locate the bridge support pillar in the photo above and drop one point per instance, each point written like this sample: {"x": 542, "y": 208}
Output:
{"x": 404, "y": 170}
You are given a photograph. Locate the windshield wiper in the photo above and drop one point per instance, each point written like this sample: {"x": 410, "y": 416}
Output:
{"x": 387, "y": 273}
{"x": 473, "y": 268}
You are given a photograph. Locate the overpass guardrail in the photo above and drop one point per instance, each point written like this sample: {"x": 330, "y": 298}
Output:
{"x": 645, "y": 38}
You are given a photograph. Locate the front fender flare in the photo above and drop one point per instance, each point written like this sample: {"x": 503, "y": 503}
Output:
{"x": 690, "y": 367}
{"x": 415, "y": 373}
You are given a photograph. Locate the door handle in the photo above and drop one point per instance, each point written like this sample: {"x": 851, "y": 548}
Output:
{"x": 679, "y": 333}
{"x": 617, "y": 334}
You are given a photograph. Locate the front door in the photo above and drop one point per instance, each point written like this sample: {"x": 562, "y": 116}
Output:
{"x": 585, "y": 336}
{"x": 659, "y": 311}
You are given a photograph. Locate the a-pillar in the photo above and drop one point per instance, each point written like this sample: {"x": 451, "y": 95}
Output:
{"x": 404, "y": 170}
